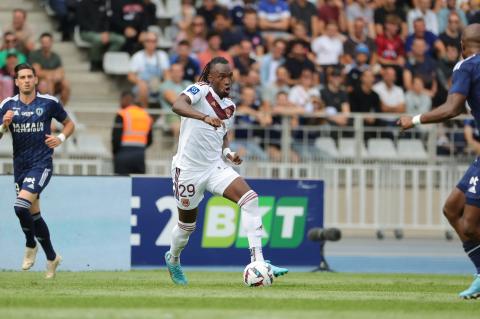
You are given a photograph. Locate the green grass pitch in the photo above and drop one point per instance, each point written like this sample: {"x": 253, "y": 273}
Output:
{"x": 150, "y": 294}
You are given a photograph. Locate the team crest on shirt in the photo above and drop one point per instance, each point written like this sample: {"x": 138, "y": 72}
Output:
{"x": 194, "y": 90}
{"x": 185, "y": 202}
{"x": 39, "y": 111}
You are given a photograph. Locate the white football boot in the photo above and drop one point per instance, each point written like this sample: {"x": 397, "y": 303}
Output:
{"x": 29, "y": 257}
{"x": 52, "y": 267}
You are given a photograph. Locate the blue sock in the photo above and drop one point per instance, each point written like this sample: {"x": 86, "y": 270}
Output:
{"x": 22, "y": 210}
{"x": 43, "y": 235}
{"x": 473, "y": 251}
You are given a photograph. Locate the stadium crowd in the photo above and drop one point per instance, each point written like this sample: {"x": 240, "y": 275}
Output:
{"x": 296, "y": 58}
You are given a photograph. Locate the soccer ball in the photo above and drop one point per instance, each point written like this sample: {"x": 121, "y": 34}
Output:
{"x": 258, "y": 273}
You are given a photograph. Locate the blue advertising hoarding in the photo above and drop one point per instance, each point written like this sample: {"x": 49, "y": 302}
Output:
{"x": 289, "y": 209}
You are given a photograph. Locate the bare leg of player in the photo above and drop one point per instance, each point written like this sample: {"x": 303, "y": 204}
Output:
{"x": 453, "y": 211}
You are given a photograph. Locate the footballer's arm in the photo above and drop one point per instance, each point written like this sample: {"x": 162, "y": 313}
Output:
{"x": 227, "y": 152}
{"x": 7, "y": 119}
{"x": 53, "y": 141}
{"x": 183, "y": 107}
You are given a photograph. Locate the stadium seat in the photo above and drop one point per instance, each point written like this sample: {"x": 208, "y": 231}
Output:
{"x": 326, "y": 145}
{"x": 88, "y": 145}
{"x": 6, "y": 148}
{"x": 411, "y": 149}
{"x": 381, "y": 148}
{"x": 78, "y": 39}
{"x": 347, "y": 148}
{"x": 116, "y": 63}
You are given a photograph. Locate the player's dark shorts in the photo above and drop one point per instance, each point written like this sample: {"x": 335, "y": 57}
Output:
{"x": 33, "y": 180}
{"x": 470, "y": 184}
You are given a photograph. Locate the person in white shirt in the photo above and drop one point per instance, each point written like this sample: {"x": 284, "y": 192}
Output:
{"x": 423, "y": 11}
{"x": 206, "y": 116}
{"x": 392, "y": 97}
{"x": 305, "y": 94}
{"x": 329, "y": 46}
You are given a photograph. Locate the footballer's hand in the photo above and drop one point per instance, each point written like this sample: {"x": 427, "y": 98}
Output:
{"x": 405, "y": 122}
{"x": 234, "y": 158}
{"x": 7, "y": 118}
{"x": 213, "y": 121}
{"x": 52, "y": 141}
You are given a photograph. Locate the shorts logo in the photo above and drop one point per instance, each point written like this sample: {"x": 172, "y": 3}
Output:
{"x": 30, "y": 181}
{"x": 194, "y": 90}
{"x": 39, "y": 111}
{"x": 185, "y": 202}
{"x": 473, "y": 182}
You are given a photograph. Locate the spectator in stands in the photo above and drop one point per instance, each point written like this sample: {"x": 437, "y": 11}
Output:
{"x": 187, "y": 13}
{"x": 303, "y": 11}
{"x": 328, "y": 47}
{"x": 270, "y": 91}
{"x": 271, "y": 61}
{"x": 196, "y": 35}
{"x": 243, "y": 62}
{"x": 360, "y": 9}
{"x": 363, "y": 99}
{"x": 434, "y": 45}
{"x": 392, "y": 97}
{"x": 473, "y": 11}
{"x": 131, "y": 135}
{"x": 7, "y": 77}
{"x": 297, "y": 60}
{"x": 390, "y": 48}
{"x": 472, "y": 136}
{"x": 357, "y": 67}
{"x": 452, "y": 35}
{"x": 417, "y": 99}
{"x": 65, "y": 14}
{"x": 129, "y": 18}
{"x": 147, "y": 69}
{"x": 214, "y": 41}
{"x": 252, "y": 80}
{"x": 330, "y": 11}
{"x": 94, "y": 23}
{"x": 251, "y": 31}
{"x": 274, "y": 18}
{"x": 445, "y": 67}
{"x": 169, "y": 91}
{"x": 49, "y": 69}
{"x": 420, "y": 65}
{"x": 190, "y": 64}
{"x": 444, "y": 9}
{"x": 390, "y": 7}
{"x": 305, "y": 94}
{"x": 230, "y": 37}
{"x": 299, "y": 32}
{"x": 9, "y": 47}
{"x": 208, "y": 10}
{"x": 335, "y": 98}
{"x": 22, "y": 30}
{"x": 357, "y": 37}
{"x": 423, "y": 11}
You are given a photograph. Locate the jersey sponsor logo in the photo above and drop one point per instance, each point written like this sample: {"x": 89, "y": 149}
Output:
{"x": 473, "y": 182}
{"x": 39, "y": 111}
{"x": 28, "y": 127}
{"x": 193, "y": 89}
{"x": 27, "y": 114}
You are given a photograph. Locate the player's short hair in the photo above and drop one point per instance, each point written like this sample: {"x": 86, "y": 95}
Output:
{"x": 24, "y": 66}
{"x": 206, "y": 70}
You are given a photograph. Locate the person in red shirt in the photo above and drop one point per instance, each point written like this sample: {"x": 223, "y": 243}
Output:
{"x": 390, "y": 47}
{"x": 331, "y": 10}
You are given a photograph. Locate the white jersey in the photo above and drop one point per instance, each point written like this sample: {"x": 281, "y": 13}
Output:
{"x": 200, "y": 145}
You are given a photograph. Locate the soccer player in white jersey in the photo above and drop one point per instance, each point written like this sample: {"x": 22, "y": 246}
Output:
{"x": 207, "y": 115}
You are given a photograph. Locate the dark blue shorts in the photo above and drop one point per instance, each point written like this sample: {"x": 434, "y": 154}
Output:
{"x": 470, "y": 184}
{"x": 33, "y": 180}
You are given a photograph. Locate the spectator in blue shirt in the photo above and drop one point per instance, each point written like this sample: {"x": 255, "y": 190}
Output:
{"x": 434, "y": 45}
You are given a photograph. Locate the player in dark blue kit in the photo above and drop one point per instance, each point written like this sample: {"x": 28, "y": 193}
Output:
{"x": 462, "y": 207}
{"x": 28, "y": 116}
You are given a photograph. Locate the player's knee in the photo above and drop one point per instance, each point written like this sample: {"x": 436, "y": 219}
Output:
{"x": 22, "y": 205}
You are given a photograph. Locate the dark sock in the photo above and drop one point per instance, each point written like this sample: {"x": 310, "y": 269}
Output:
{"x": 22, "y": 210}
{"x": 43, "y": 236}
{"x": 473, "y": 251}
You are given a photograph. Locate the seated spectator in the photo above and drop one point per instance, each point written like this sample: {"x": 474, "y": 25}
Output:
{"x": 472, "y": 136}
{"x": 360, "y": 9}
{"x": 299, "y": 32}
{"x": 390, "y": 7}
{"x": 417, "y": 99}
{"x": 444, "y": 10}
{"x": 9, "y": 47}
{"x": 251, "y": 31}
{"x": 472, "y": 9}
{"x": 271, "y": 61}
{"x": 252, "y": 80}
{"x": 330, "y": 11}
{"x": 190, "y": 64}
{"x": 392, "y": 97}
{"x": 274, "y": 16}
{"x": 434, "y": 45}
{"x": 147, "y": 69}
{"x": 420, "y": 65}
{"x": 94, "y": 23}
{"x": 270, "y": 91}
{"x": 297, "y": 60}
{"x": 183, "y": 20}
{"x": 358, "y": 37}
{"x": 230, "y": 37}
{"x": 213, "y": 50}
{"x": 357, "y": 67}
{"x": 22, "y": 30}
{"x": 363, "y": 99}
{"x": 49, "y": 69}
{"x": 169, "y": 91}
{"x": 65, "y": 15}
{"x": 303, "y": 11}
{"x": 208, "y": 10}
{"x": 445, "y": 68}
{"x": 452, "y": 35}
{"x": 390, "y": 48}
{"x": 243, "y": 62}
{"x": 423, "y": 11}
{"x": 305, "y": 94}
{"x": 7, "y": 78}
{"x": 335, "y": 99}
{"x": 196, "y": 35}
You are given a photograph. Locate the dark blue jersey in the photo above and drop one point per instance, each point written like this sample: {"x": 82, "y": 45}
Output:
{"x": 466, "y": 81}
{"x": 29, "y": 126}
